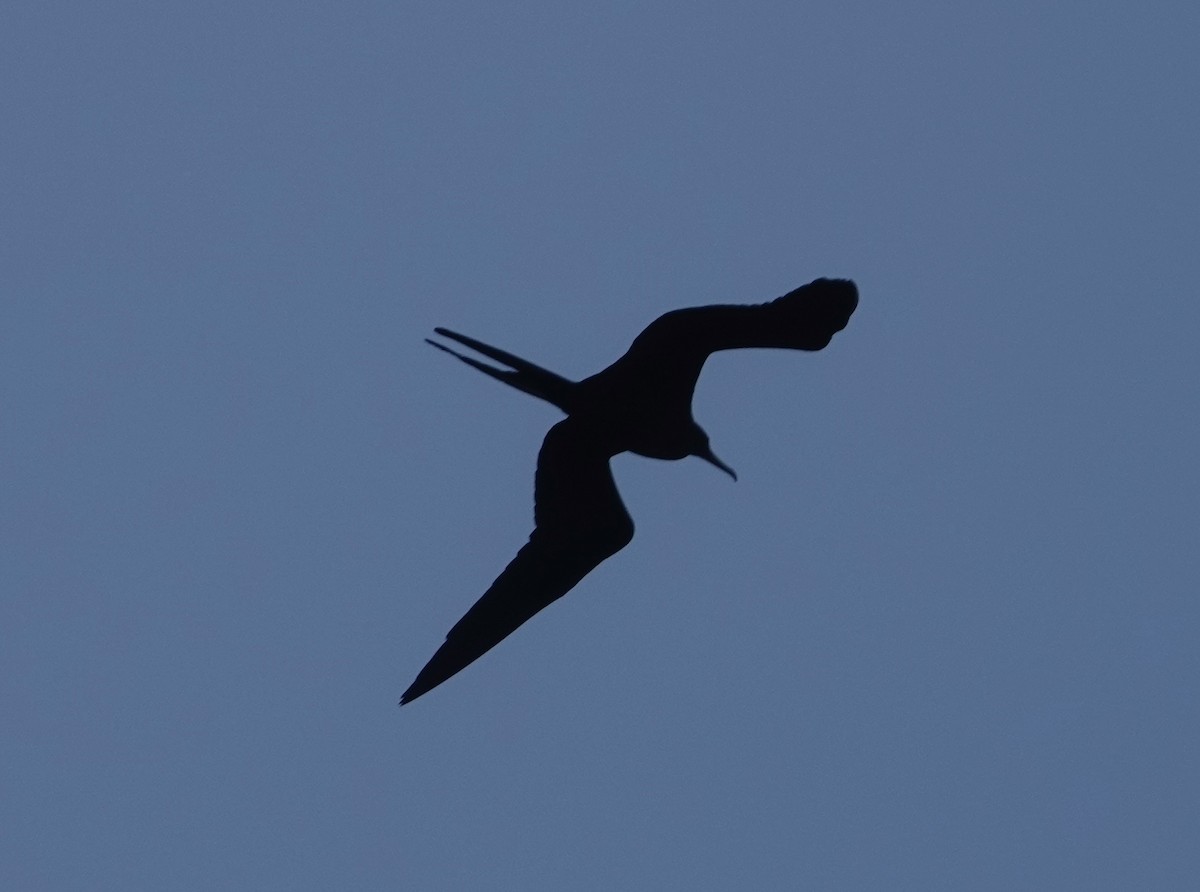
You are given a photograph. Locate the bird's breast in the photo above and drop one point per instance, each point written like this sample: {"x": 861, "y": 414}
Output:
{"x": 654, "y": 435}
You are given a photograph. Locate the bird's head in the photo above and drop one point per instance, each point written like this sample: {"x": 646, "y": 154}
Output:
{"x": 701, "y": 449}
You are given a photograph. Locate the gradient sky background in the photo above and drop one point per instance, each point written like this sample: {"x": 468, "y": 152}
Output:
{"x": 943, "y": 634}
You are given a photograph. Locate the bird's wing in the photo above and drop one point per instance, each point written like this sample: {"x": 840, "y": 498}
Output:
{"x": 579, "y": 521}
{"x": 678, "y": 343}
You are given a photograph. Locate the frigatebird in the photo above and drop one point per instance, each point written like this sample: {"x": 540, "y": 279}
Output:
{"x": 642, "y": 403}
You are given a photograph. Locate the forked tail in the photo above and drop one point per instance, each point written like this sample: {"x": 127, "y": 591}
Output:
{"x": 521, "y": 374}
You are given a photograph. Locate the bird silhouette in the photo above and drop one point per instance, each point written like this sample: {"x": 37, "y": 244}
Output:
{"x": 642, "y": 403}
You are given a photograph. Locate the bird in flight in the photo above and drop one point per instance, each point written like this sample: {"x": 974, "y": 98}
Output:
{"x": 642, "y": 403}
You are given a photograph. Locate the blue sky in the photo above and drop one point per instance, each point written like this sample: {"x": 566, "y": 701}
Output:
{"x": 942, "y": 634}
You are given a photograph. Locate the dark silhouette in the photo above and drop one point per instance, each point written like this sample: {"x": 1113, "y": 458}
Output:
{"x": 641, "y": 403}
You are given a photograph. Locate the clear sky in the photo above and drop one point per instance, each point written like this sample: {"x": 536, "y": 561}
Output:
{"x": 941, "y": 635}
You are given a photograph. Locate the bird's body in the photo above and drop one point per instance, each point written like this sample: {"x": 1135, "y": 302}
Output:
{"x": 642, "y": 403}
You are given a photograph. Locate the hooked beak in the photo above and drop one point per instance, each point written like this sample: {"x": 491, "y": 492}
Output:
{"x": 708, "y": 456}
